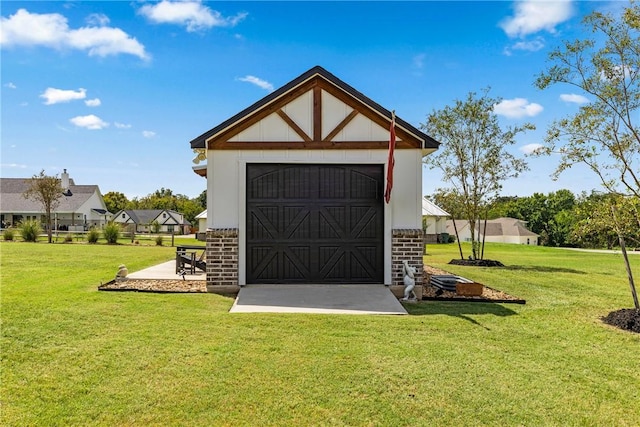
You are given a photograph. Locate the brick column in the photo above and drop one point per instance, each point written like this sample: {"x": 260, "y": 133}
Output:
{"x": 222, "y": 261}
{"x": 407, "y": 244}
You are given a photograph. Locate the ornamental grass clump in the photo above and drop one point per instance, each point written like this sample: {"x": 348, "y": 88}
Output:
{"x": 111, "y": 233}
{"x": 8, "y": 234}
{"x": 158, "y": 240}
{"x": 29, "y": 230}
{"x": 93, "y": 235}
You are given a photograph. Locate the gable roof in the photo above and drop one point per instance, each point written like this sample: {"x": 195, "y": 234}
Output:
{"x": 12, "y": 199}
{"x": 316, "y": 79}
{"x": 147, "y": 216}
{"x": 496, "y": 227}
{"x": 431, "y": 209}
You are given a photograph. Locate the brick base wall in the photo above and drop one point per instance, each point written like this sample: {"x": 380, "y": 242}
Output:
{"x": 407, "y": 244}
{"x": 222, "y": 260}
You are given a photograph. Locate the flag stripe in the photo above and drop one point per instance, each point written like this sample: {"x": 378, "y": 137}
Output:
{"x": 391, "y": 160}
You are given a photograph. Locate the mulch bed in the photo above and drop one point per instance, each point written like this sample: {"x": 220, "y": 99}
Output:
{"x": 627, "y": 319}
{"x": 433, "y": 293}
{"x": 162, "y": 286}
{"x": 477, "y": 262}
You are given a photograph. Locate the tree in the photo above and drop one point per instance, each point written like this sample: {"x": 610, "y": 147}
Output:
{"x": 202, "y": 199}
{"x": 474, "y": 159}
{"x": 115, "y": 201}
{"x": 46, "y": 190}
{"x": 604, "y": 133}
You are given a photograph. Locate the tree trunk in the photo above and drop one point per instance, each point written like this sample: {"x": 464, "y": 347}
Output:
{"x": 49, "y": 228}
{"x": 457, "y": 238}
{"x": 629, "y": 274}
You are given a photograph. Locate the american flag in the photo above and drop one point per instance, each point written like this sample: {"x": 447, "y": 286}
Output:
{"x": 391, "y": 160}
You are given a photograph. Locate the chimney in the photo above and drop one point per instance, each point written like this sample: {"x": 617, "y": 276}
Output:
{"x": 65, "y": 180}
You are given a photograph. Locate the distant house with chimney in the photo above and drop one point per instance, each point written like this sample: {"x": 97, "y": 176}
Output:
{"x": 80, "y": 206}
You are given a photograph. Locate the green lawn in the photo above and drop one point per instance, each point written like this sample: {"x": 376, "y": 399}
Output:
{"x": 74, "y": 356}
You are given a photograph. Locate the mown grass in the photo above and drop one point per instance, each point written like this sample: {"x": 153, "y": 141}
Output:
{"x": 74, "y": 356}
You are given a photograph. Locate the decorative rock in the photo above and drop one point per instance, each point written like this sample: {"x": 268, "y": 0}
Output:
{"x": 122, "y": 272}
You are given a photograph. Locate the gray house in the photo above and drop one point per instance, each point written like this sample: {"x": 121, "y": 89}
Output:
{"x": 80, "y": 207}
{"x": 168, "y": 221}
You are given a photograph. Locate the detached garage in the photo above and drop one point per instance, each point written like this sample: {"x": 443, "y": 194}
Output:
{"x": 295, "y": 188}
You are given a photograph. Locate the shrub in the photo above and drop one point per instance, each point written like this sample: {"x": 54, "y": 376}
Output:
{"x": 111, "y": 232}
{"x": 29, "y": 230}
{"x": 93, "y": 235}
{"x": 68, "y": 238}
{"x": 8, "y": 234}
{"x": 158, "y": 240}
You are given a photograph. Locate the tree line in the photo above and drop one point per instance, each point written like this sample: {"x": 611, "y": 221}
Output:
{"x": 561, "y": 218}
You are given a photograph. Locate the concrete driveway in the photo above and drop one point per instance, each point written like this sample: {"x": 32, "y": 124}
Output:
{"x": 331, "y": 299}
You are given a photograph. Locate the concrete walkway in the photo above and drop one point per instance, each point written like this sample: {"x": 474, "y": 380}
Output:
{"x": 167, "y": 271}
{"x": 330, "y": 299}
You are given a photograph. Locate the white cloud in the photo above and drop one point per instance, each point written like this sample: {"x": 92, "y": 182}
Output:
{"x": 93, "y": 102}
{"x": 91, "y": 122}
{"x": 52, "y": 30}
{"x": 258, "y": 82}
{"x": 192, "y": 14}
{"x": 98, "y": 19}
{"x": 531, "y": 148}
{"x": 148, "y": 133}
{"x": 574, "y": 98}
{"x": 532, "y": 16}
{"x": 121, "y": 125}
{"x": 11, "y": 85}
{"x": 517, "y": 108}
{"x": 531, "y": 45}
{"x": 56, "y": 96}
{"x": 13, "y": 165}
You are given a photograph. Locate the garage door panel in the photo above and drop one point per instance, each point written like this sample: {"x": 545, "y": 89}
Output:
{"x": 297, "y": 223}
{"x": 295, "y": 263}
{"x": 318, "y": 224}
{"x": 264, "y": 263}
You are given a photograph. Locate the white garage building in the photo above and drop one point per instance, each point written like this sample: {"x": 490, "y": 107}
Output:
{"x": 298, "y": 180}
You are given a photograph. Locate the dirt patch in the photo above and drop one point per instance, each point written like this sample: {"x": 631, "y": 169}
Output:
{"x": 627, "y": 319}
{"x": 489, "y": 294}
{"x": 158, "y": 286}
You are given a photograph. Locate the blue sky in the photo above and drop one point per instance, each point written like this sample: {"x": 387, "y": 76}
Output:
{"x": 114, "y": 91}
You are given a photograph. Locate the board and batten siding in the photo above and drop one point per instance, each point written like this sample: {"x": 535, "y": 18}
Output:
{"x": 226, "y": 188}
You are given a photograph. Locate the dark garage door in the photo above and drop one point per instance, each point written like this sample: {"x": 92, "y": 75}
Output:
{"x": 314, "y": 223}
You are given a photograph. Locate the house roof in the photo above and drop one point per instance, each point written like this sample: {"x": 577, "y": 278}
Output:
{"x": 12, "y": 199}
{"x": 202, "y": 215}
{"x": 497, "y": 227}
{"x": 320, "y": 73}
{"x": 147, "y": 216}
{"x": 431, "y": 209}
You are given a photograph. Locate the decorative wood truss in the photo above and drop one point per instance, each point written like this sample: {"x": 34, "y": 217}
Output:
{"x": 314, "y": 111}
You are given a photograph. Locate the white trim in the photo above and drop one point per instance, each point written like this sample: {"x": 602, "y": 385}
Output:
{"x": 242, "y": 207}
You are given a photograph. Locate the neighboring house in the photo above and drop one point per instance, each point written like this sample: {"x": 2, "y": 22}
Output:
{"x": 501, "y": 230}
{"x": 169, "y": 221}
{"x": 80, "y": 207}
{"x": 434, "y": 222}
{"x": 202, "y": 226}
{"x": 302, "y": 176}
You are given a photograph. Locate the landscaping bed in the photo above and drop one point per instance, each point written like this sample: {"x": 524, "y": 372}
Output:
{"x": 157, "y": 286}
{"x": 627, "y": 319}
{"x": 430, "y": 292}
